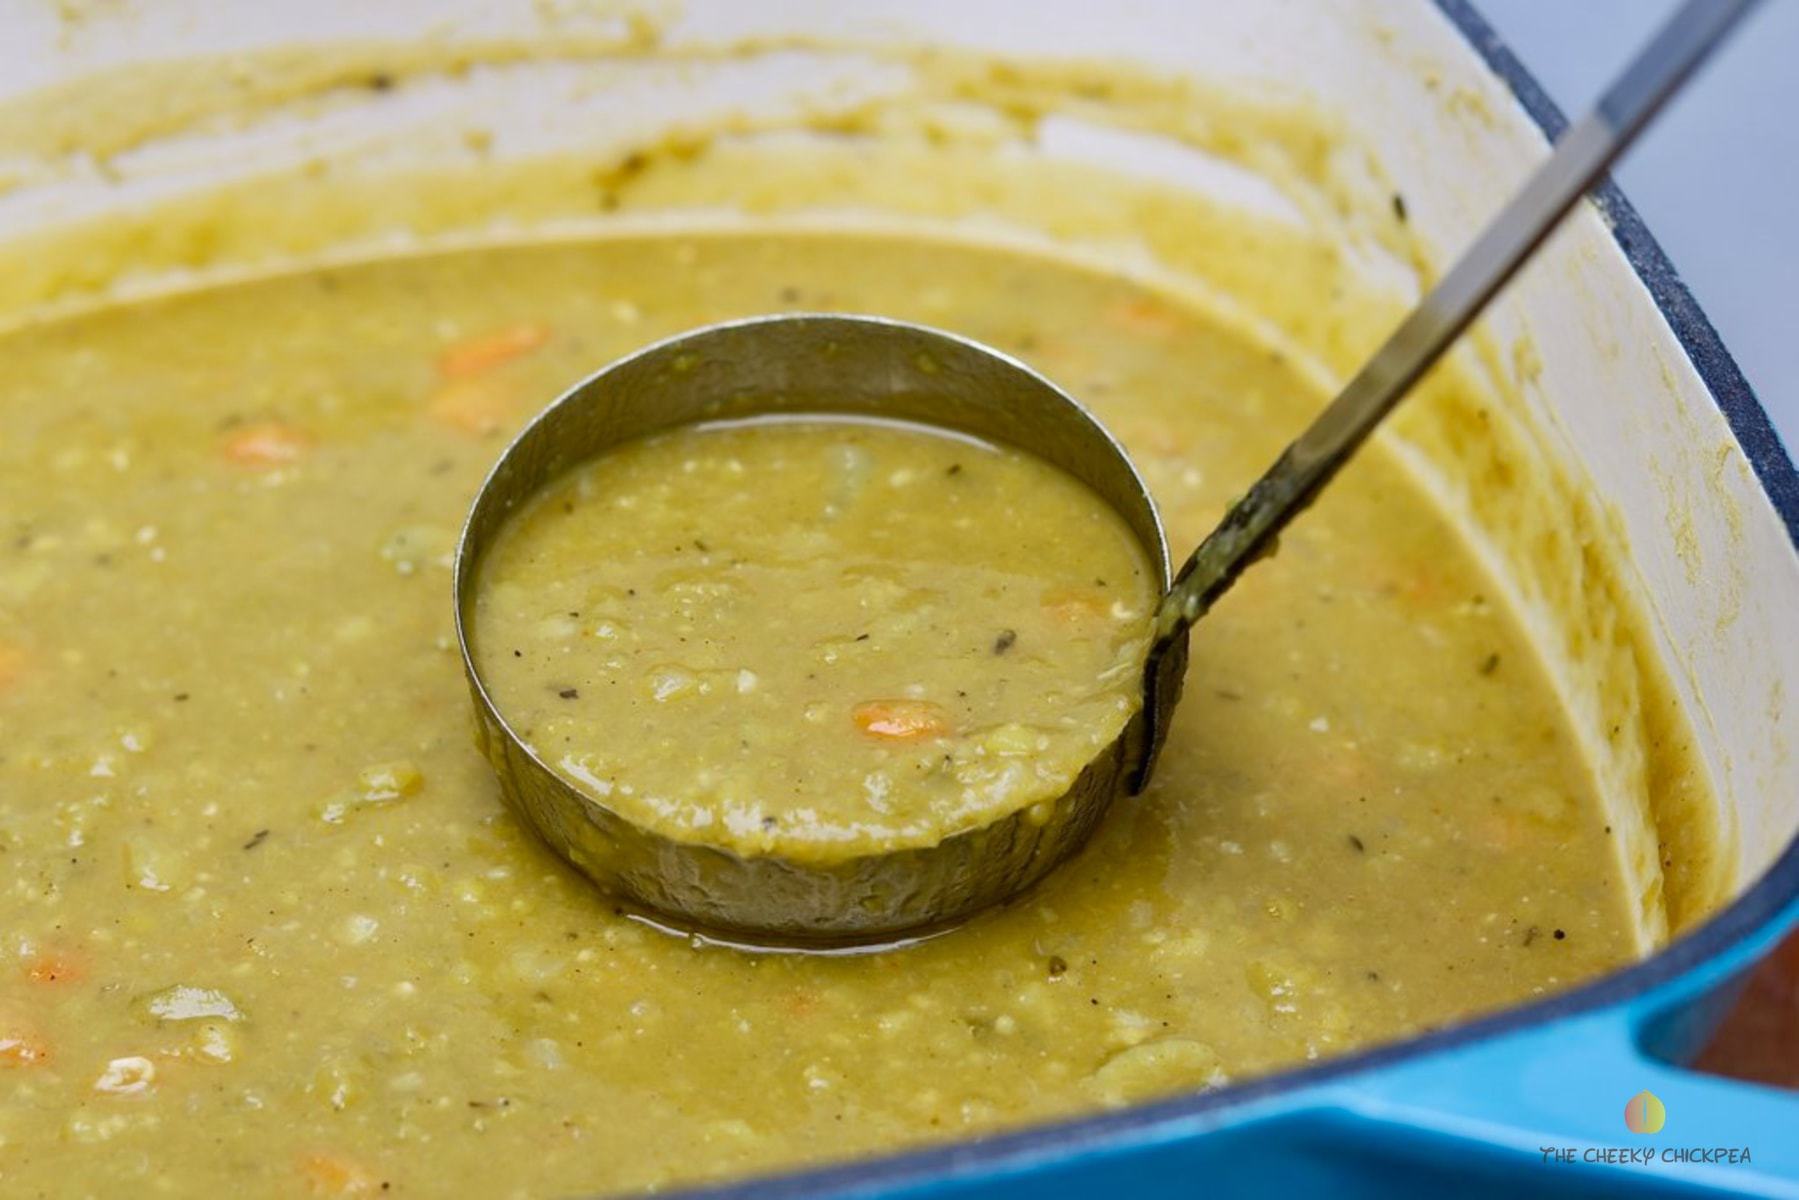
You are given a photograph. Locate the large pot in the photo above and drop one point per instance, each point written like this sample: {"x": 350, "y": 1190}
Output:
{"x": 1626, "y": 396}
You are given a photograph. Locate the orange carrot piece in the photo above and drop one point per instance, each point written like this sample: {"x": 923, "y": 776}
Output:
{"x": 1418, "y": 588}
{"x": 477, "y": 407}
{"x": 1346, "y": 769}
{"x": 54, "y": 967}
{"x": 1501, "y": 831}
{"x": 1149, "y": 434}
{"x": 20, "y": 1049}
{"x": 900, "y": 720}
{"x": 482, "y": 353}
{"x": 269, "y": 444}
{"x": 335, "y": 1175}
{"x": 21, "y": 1045}
{"x": 1145, "y": 316}
{"x": 1076, "y": 606}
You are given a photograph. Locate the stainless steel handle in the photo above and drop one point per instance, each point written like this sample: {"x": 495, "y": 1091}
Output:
{"x": 1583, "y": 153}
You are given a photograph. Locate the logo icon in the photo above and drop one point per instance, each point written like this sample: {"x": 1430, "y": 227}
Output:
{"x": 1644, "y": 1113}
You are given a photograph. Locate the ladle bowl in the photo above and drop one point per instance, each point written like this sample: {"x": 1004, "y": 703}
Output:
{"x": 825, "y": 365}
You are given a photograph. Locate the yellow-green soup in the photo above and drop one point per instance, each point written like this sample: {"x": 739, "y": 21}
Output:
{"x": 267, "y": 927}
{"x": 815, "y": 639}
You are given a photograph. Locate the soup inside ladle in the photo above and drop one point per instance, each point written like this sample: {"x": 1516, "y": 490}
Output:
{"x": 837, "y": 366}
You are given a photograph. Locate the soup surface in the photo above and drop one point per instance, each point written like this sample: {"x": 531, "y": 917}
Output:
{"x": 815, "y": 639}
{"x": 268, "y": 929}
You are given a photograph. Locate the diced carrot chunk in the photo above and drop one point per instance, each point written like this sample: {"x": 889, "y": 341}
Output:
{"x": 21, "y": 1045}
{"x": 900, "y": 719}
{"x": 22, "y": 1050}
{"x": 1076, "y": 606}
{"x": 1345, "y": 768}
{"x": 269, "y": 444}
{"x": 54, "y": 968}
{"x": 335, "y": 1175}
{"x": 1145, "y": 316}
{"x": 1499, "y": 830}
{"x": 477, "y": 407}
{"x": 482, "y": 353}
{"x": 12, "y": 663}
{"x": 1420, "y": 588}
{"x": 1149, "y": 434}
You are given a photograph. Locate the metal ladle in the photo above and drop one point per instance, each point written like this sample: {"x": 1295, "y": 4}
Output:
{"x": 846, "y": 365}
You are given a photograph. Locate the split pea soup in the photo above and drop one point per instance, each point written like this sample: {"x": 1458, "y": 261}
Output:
{"x": 821, "y": 638}
{"x": 267, "y": 929}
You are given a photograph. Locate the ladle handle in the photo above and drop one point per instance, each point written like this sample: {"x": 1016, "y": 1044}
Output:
{"x": 1583, "y": 153}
